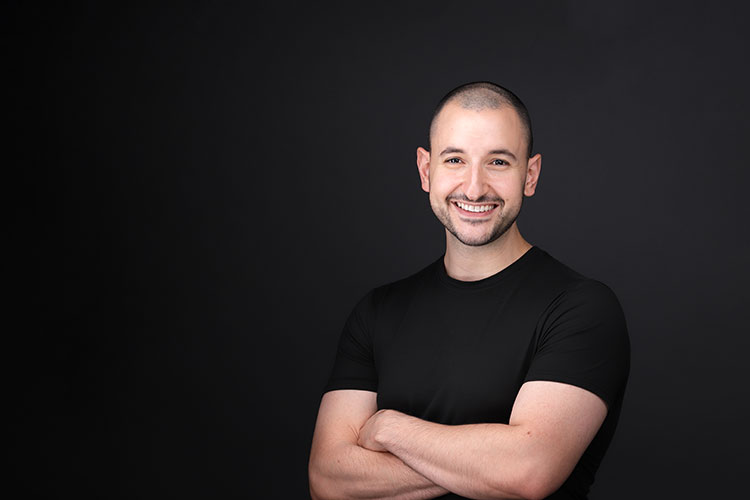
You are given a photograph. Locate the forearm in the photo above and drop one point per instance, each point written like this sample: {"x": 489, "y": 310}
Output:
{"x": 349, "y": 471}
{"x": 477, "y": 461}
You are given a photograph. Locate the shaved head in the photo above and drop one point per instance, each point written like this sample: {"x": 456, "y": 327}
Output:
{"x": 485, "y": 95}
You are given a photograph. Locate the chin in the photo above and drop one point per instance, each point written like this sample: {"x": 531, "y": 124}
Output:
{"x": 474, "y": 241}
{"x": 499, "y": 229}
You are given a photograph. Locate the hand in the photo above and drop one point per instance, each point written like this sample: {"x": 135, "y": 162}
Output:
{"x": 369, "y": 433}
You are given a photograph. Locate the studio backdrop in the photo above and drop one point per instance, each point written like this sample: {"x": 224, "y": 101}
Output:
{"x": 215, "y": 186}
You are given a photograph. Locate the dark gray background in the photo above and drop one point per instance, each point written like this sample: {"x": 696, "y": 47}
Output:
{"x": 215, "y": 187}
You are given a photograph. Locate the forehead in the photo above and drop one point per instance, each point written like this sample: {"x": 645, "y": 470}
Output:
{"x": 478, "y": 129}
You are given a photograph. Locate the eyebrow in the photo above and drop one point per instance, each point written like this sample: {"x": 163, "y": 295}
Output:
{"x": 451, "y": 149}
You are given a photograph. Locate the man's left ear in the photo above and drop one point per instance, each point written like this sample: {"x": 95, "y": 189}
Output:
{"x": 533, "y": 170}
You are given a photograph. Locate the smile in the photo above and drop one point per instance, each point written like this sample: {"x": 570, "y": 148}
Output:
{"x": 474, "y": 208}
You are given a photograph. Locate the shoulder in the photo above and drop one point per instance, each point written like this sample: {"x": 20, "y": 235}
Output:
{"x": 396, "y": 294}
{"x": 582, "y": 337}
{"x": 406, "y": 286}
{"x": 576, "y": 304}
{"x": 567, "y": 283}
{"x": 587, "y": 308}
{"x": 554, "y": 271}
{"x": 592, "y": 293}
{"x": 585, "y": 312}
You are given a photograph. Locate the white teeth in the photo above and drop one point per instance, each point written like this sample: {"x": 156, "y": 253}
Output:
{"x": 473, "y": 208}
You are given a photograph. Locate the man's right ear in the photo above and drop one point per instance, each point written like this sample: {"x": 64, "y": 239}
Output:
{"x": 423, "y": 165}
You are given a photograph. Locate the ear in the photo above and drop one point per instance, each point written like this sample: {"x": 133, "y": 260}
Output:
{"x": 533, "y": 170}
{"x": 423, "y": 165}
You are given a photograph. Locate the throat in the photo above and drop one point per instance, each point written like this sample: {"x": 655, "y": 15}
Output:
{"x": 474, "y": 263}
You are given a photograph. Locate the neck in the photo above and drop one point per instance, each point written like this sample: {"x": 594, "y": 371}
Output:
{"x": 468, "y": 263}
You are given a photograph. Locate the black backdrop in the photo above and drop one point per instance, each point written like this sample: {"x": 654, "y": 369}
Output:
{"x": 215, "y": 187}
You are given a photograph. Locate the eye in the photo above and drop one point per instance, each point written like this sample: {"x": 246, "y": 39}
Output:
{"x": 499, "y": 162}
{"x": 454, "y": 161}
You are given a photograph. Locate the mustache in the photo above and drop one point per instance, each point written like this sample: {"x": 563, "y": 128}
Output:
{"x": 481, "y": 199}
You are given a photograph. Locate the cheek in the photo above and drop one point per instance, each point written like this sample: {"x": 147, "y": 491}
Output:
{"x": 441, "y": 186}
{"x": 437, "y": 200}
{"x": 510, "y": 189}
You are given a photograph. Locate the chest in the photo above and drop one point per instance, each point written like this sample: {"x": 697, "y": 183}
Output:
{"x": 455, "y": 359}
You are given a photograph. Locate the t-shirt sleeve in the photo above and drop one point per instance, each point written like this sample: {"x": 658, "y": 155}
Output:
{"x": 583, "y": 341}
{"x": 354, "y": 366}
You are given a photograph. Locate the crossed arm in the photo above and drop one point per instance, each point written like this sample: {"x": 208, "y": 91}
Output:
{"x": 359, "y": 452}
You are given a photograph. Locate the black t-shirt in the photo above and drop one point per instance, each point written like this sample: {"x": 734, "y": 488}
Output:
{"x": 456, "y": 352}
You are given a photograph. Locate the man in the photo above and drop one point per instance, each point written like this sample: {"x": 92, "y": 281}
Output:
{"x": 495, "y": 372}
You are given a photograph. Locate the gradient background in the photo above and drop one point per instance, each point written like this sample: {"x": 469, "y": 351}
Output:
{"x": 213, "y": 188}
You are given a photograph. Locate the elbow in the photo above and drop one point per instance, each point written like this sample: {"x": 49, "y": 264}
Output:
{"x": 525, "y": 479}
{"x": 315, "y": 493}
{"x": 315, "y": 490}
{"x": 320, "y": 484}
{"x": 318, "y": 490}
{"x": 324, "y": 490}
{"x": 538, "y": 482}
{"x": 317, "y": 482}
{"x": 535, "y": 492}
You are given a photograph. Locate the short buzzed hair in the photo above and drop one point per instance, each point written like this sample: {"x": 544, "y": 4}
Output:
{"x": 483, "y": 95}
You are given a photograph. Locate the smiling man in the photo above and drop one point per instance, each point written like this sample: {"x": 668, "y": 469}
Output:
{"x": 496, "y": 371}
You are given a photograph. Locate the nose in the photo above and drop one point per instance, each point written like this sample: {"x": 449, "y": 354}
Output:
{"x": 474, "y": 183}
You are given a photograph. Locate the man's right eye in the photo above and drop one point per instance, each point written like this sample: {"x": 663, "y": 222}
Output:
{"x": 453, "y": 160}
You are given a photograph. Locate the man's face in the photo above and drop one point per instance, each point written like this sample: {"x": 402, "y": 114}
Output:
{"x": 477, "y": 172}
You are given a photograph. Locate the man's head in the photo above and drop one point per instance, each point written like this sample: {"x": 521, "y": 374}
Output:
{"x": 479, "y": 169}
{"x": 484, "y": 95}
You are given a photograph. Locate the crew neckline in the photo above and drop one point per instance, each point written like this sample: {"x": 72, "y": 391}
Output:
{"x": 489, "y": 281}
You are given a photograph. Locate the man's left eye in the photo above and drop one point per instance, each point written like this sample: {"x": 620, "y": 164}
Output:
{"x": 498, "y": 161}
